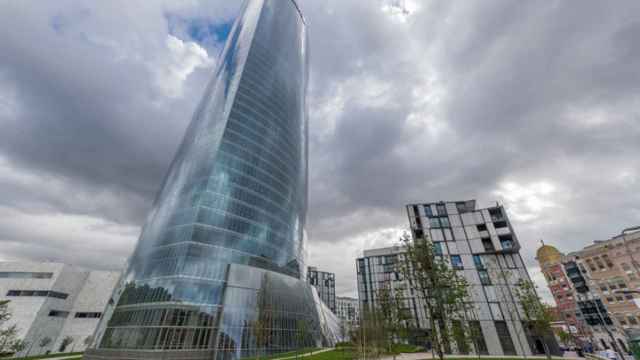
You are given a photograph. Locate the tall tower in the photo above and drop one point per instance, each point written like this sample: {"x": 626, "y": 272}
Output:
{"x": 219, "y": 262}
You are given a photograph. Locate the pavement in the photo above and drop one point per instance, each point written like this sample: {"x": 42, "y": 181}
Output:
{"x": 303, "y": 355}
{"x": 429, "y": 355}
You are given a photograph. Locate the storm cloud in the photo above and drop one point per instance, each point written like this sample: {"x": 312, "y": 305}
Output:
{"x": 533, "y": 104}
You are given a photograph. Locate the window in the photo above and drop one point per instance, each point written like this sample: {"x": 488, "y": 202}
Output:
{"x": 619, "y": 298}
{"x": 477, "y": 260}
{"x": 434, "y": 222}
{"x": 53, "y": 294}
{"x": 610, "y": 299}
{"x": 25, "y": 275}
{"x": 437, "y": 248}
{"x": 487, "y": 244}
{"x": 442, "y": 210}
{"x": 444, "y": 221}
{"x": 632, "y": 320}
{"x": 484, "y": 277}
{"x": 427, "y": 210}
{"x": 604, "y": 287}
{"x": 506, "y": 241}
{"x": 505, "y": 338}
{"x": 88, "y": 315}
{"x": 482, "y": 227}
{"x": 500, "y": 224}
{"x": 607, "y": 261}
{"x": 476, "y": 331}
{"x": 461, "y": 207}
{"x": 58, "y": 313}
{"x": 600, "y": 264}
{"x": 496, "y": 214}
{"x": 456, "y": 262}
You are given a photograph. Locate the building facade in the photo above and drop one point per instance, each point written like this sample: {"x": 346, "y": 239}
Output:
{"x": 55, "y": 301}
{"x": 482, "y": 246}
{"x": 550, "y": 261}
{"x": 325, "y": 284}
{"x": 604, "y": 276}
{"x": 220, "y": 257}
{"x": 348, "y": 311}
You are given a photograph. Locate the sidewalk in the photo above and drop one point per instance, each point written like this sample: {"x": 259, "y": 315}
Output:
{"x": 428, "y": 355}
{"x": 303, "y": 355}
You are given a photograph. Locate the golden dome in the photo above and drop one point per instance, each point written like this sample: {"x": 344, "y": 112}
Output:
{"x": 548, "y": 254}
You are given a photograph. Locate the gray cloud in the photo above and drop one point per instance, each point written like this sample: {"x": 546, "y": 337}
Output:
{"x": 533, "y": 104}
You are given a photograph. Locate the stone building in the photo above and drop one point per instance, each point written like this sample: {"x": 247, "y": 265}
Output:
{"x": 611, "y": 276}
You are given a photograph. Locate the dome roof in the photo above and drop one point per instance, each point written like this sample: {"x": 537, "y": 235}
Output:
{"x": 548, "y": 254}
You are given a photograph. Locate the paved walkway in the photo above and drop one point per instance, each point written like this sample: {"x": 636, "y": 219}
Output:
{"x": 429, "y": 355}
{"x": 305, "y": 354}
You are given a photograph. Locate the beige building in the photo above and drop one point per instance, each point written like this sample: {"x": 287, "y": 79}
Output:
{"x": 612, "y": 272}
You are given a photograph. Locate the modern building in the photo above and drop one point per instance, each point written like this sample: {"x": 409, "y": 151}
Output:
{"x": 601, "y": 294}
{"x": 50, "y": 302}
{"x": 325, "y": 284}
{"x": 348, "y": 311}
{"x": 219, "y": 262}
{"x": 482, "y": 245}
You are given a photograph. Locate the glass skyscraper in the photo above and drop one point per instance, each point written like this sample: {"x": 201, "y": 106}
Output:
{"x": 218, "y": 271}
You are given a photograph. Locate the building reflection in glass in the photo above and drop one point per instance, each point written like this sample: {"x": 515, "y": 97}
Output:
{"x": 227, "y": 227}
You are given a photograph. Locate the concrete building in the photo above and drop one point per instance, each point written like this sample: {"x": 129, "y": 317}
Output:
{"x": 325, "y": 283}
{"x": 482, "y": 246}
{"x": 610, "y": 274}
{"x": 55, "y": 301}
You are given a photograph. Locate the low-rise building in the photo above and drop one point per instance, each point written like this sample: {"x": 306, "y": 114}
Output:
{"x": 50, "y": 302}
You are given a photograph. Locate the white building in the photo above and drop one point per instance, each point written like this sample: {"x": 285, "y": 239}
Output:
{"x": 55, "y": 301}
{"x": 482, "y": 246}
{"x": 348, "y": 311}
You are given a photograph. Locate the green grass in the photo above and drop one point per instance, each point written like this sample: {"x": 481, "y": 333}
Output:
{"x": 49, "y": 356}
{"x": 285, "y": 354}
{"x": 340, "y": 354}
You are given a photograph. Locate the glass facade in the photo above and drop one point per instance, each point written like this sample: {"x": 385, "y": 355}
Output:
{"x": 235, "y": 195}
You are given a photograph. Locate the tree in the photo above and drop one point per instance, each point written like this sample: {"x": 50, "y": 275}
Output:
{"x": 9, "y": 343}
{"x": 394, "y": 319}
{"x": 537, "y": 314}
{"x": 264, "y": 316}
{"x": 565, "y": 337}
{"x": 441, "y": 289}
{"x": 65, "y": 342}
{"x": 508, "y": 299}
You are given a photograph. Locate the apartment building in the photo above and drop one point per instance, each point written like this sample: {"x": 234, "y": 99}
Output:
{"x": 481, "y": 244}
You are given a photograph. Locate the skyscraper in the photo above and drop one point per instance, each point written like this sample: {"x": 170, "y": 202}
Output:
{"x": 218, "y": 271}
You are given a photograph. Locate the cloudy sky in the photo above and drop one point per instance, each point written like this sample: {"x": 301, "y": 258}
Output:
{"x": 534, "y": 104}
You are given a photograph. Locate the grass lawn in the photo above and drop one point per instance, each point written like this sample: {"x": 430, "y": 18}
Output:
{"x": 285, "y": 354}
{"x": 49, "y": 356}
